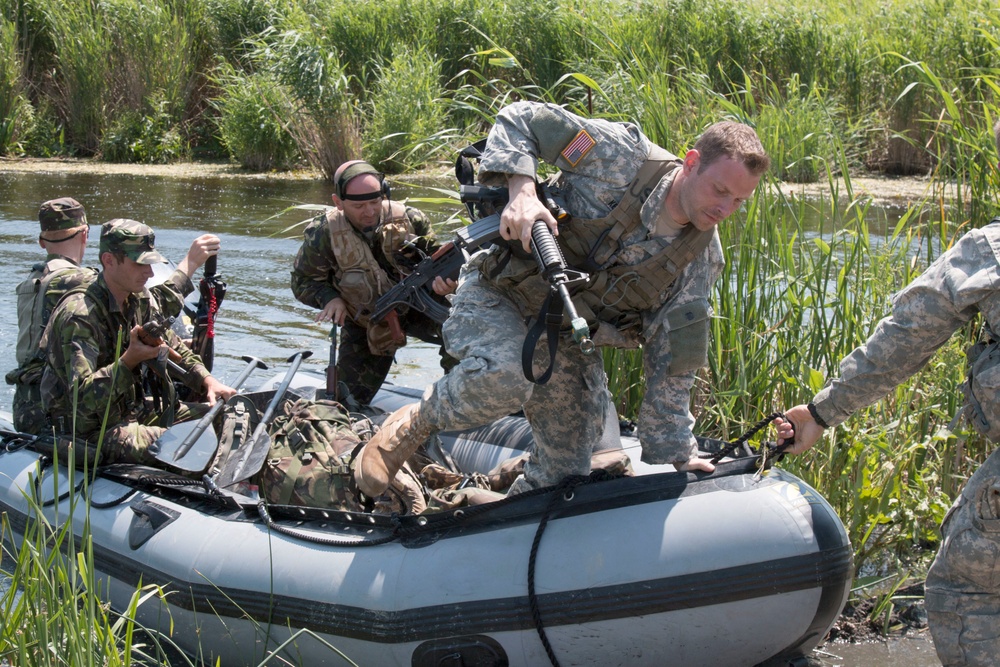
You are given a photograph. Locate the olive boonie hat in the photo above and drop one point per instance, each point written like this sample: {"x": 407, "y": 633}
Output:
{"x": 59, "y": 214}
{"x": 133, "y": 238}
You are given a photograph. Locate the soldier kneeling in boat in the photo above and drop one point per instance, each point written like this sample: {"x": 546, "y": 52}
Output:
{"x": 95, "y": 355}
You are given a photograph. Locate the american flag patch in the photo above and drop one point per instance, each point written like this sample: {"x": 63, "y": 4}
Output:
{"x": 577, "y": 148}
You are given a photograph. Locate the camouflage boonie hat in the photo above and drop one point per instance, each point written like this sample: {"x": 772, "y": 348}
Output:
{"x": 59, "y": 214}
{"x": 132, "y": 238}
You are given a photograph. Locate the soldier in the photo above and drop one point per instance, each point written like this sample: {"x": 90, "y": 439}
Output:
{"x": 643, "y": 225}
{"x": 64, "y": 235}
{"x": 351, "y": 255}
{"x": 93, "y": 352}
{"x": 962, "y": 591}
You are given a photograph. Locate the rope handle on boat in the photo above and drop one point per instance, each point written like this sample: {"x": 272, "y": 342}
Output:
{"x": 766, "y": 452}
{"x": 265, "y": 516}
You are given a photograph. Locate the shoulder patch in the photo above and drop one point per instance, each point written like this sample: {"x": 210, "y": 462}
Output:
{"x": 576, "y": 149}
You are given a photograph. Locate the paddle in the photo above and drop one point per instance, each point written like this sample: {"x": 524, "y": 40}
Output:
{"x": 254, "y": 451}
{"x": 175, "y": 443}
{"x": 212, "y": 291}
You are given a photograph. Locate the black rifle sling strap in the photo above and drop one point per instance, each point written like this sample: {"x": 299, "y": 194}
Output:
{"x": 549, "y": 320}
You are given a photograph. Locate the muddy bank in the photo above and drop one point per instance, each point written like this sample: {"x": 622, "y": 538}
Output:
{"x": 880, "y": 190}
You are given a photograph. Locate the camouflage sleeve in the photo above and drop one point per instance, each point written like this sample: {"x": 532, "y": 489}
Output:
{"x": 924, "y": 316}
{"x": 426, "y": 239}
{"x": 677, "y": 347}
{"x": 313, "y": 280}
{"x": 597, "y": 158}
{"x": 75, "y": 341}
{"x": 169, "y": 295}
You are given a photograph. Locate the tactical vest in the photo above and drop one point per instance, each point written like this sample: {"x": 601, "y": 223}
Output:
{"x": 31, "y": 312}
{"x": 616, "y": 290}
{"x": 360, "y": 279}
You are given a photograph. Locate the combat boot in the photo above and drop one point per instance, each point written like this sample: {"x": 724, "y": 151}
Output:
{"x": 380, "y": 459}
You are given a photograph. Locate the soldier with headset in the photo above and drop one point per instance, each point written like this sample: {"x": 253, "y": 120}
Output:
{"x": 350, "y": 256}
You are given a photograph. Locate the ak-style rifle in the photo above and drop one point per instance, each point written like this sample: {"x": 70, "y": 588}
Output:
{"x": 415, "y": 292}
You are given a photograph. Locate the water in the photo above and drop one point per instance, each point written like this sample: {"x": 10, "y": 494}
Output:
{"x": 259, "y": 315}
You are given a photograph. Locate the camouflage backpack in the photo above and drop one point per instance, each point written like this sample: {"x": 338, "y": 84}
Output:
{"x": 309, "y": 460}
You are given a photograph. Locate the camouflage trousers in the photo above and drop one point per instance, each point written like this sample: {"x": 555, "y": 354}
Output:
{"x": 29, "y": 416}
{"x": 486, "y": 332}
{"x": 364, "y": 372}
{"x": 963, "y": 584}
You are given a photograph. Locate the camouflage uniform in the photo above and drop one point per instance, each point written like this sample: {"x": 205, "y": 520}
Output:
{"x": 84, "y": 386}
{"x": 58, "y": 275}
{"x": 313, "y": 284}
{"x": 486, "y": 328}
{"x": 963, "y": 584}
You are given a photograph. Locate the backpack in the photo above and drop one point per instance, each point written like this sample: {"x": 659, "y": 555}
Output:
{"x": 309, "y": 460}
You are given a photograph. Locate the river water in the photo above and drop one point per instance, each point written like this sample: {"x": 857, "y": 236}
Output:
{"x": 259, "y": 315}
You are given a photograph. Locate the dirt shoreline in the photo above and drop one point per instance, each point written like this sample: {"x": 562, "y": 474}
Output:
{"x": 880, "y": 190}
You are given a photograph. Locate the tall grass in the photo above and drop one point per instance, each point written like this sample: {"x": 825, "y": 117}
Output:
{"x": 55, "y": 611}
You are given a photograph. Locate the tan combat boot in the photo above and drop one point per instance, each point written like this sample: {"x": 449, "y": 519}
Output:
{"x": 382, "y": 456}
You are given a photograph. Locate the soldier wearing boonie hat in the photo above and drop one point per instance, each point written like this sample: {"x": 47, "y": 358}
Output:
{"x": 132, "y": 239}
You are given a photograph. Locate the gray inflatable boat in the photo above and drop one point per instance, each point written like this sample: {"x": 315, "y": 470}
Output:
{"x": 730, "y": 568}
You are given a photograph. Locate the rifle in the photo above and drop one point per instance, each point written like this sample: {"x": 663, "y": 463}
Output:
{"x": 414, "y": 290}
{"x": 331, "y": 369}
{"x": 212, "y": 290}
{"x": 152, "y": 332}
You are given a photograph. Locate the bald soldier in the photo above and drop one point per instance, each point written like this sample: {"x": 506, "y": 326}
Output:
{"x": 353, "y": 254}
{"x": 93, "y": 354}
{"x": 64, "y": 235}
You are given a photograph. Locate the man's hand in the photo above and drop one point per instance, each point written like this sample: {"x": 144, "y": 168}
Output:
{"x": 216, "y": 391}
{"x": 138, "y": 351}
{"x": 335, "y": 311}
{"x": 695, "y": 463}
{"x": 444, "y": 286}
{"x": 523, "y": 209}
{"x": 201, "y": 249}
{"x": 800, "y": 424}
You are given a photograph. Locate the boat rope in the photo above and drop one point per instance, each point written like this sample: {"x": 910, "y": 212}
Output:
{"x": 767, "y": 452}
{"x": 265, "y": 516}
{"x": 562, "y": 491}
{"x": 111, "y": 503}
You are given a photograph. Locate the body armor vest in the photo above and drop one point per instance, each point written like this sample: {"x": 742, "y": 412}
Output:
{"x": 360, "y": 279}
{"x": 616, "y": 290}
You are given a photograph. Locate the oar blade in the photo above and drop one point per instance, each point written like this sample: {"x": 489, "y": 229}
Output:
{"x": 237, "y": 468}
{"x": 197, "y": 457}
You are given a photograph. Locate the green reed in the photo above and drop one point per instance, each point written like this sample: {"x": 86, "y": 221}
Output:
{"x": 55, "y": 611}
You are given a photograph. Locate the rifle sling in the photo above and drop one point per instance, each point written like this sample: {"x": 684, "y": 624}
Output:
{"x": 550, "y": 320}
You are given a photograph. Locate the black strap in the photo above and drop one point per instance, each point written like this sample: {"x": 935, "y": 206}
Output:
{"x": 549, "y": 319}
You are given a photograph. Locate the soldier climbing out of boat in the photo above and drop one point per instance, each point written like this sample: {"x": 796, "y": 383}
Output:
{"x": 962, "y": 590}
{"x": 63, "y": 236}
{"x": 642, "y": 225}
{"x": 91, "y": 381}
{"x": 350, "y": 256}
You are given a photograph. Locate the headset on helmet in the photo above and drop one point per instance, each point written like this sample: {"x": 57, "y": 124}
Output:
{"x": 350, "y": 170}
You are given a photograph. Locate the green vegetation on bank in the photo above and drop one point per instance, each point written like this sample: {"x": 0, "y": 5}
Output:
{"x": 893, "y": 87}
{"x": 274, "y": 83}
